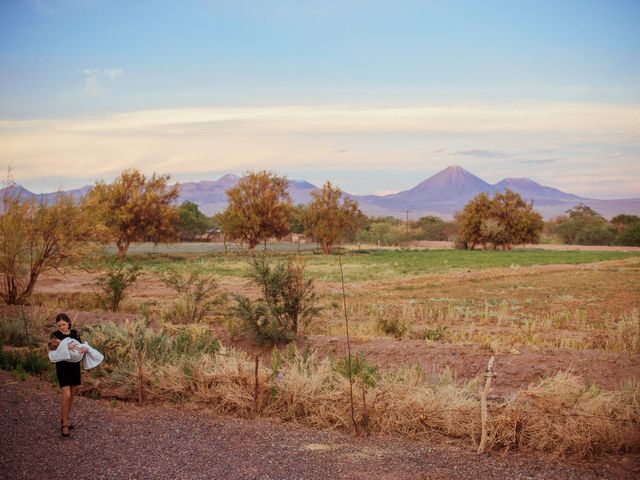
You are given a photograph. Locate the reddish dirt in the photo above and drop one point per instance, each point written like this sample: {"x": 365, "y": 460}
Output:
{"x": 514, "y": 370}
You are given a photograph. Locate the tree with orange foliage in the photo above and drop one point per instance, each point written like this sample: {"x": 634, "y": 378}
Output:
{"x": 502, "y": 221}
{"x": 134, "y": 208}
{"x": 330, "y": 219}
{"x": 259, "y": 208}
{"x": 36, "y": 237}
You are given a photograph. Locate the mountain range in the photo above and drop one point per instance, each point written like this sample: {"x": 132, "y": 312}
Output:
{"x": 441, "y": 194}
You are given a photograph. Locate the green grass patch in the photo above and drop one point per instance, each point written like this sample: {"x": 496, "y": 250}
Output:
{"x": 373, "y": 264}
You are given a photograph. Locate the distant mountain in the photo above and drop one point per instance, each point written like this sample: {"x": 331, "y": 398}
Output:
{"x": 450, "y": 189}
{"x": 211, "y": 196}
{"x": 441, "y": 194}
{"x": 453, "y": 186}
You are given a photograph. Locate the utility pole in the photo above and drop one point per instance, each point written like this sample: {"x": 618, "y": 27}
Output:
{"x": 407, "y": 222}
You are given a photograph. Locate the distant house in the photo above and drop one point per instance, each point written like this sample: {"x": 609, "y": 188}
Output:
{"x": 298, "y": 238}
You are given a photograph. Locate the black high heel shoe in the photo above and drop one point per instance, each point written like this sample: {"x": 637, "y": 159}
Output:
{"x": 70, "y": 427}
{"x": 65, "y": 435}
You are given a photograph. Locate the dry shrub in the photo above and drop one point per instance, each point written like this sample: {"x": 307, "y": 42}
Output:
{"x": 404, "y": 403}
{"x": 559, "y": 416}
{"x": 563, "y": 417}
{"x": 82, "y": 301}
{"x": 624, "y": 335}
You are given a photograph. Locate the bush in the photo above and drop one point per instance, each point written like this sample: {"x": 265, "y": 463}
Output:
{"x": 435, "y": 334}
{"x": 33, "y": 362}
{"x": 595, "y": 235}
{"x": 287, "y": 302}
{"x": 630, "y": 236}
{"x": 113, "y": 283}
{"x": 13, "y": 329}
{"x": 390, "y": 323}
{"x": 196, "y": 295}
{"x": 367, "y": 373}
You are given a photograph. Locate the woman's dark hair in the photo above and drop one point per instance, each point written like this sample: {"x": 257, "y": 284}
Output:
{"x": 64, "y": 317}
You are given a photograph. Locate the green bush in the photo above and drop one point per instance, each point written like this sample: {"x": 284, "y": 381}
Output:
{"x": 166, "y": 345}
{"x": 196, "y": 295}
{"x": 12, "y": 332}
{"x": 630, "y": 236}
{"x": 595, "y": 235}
{"x": 361, "y": 369}
{"x": 287, "y": 303}
{"x": 33, "y": 362}
{"x": 114, "y": 282}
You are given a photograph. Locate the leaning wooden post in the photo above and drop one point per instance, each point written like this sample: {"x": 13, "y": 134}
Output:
{"x": 256, "y": 389}
{"x": 483, "y": 403}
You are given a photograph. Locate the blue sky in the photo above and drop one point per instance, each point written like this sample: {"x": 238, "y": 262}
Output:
{"x": 373, "y": 95}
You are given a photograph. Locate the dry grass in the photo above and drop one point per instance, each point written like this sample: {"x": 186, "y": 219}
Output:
{"x": 564, "y": 417}
{"x": 559, "y": 416}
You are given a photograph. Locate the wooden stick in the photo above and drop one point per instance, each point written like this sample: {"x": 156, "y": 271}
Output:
{"x": 256, "y": 388}
{"x": 483, "y": 403}
{"x": 346, "y": 322}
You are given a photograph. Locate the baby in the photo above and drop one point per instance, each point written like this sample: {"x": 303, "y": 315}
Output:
{"x": 71, "y": 350}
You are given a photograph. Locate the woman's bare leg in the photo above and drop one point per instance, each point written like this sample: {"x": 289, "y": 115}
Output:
{"x": 73, "y": 394}
{"x": 66, "y": 405}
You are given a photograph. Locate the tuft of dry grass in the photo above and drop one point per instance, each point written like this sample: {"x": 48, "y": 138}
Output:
{"x": 560, "y": 416}
{"x": 563, "y": 417}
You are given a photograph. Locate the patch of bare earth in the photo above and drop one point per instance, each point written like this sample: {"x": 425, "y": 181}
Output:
{"x": 116, "y": 441}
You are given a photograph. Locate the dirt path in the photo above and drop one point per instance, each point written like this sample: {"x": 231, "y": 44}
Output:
{"x": 123, "y": 441}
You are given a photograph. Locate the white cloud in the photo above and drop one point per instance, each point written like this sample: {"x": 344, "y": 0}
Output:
{"x": 196, "y": 140}
{"x": 94, "y": 80}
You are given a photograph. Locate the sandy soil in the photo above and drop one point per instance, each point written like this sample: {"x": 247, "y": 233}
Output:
{"x": 118, "y": 441}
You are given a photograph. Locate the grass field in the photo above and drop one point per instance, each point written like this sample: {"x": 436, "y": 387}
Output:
{"x": 361, "y": 265}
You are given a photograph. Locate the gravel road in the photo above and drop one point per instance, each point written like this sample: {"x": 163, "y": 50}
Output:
{"x": 123, "y": 441}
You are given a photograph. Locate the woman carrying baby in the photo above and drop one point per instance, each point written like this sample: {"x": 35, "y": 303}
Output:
{"x": 68, "y": 373}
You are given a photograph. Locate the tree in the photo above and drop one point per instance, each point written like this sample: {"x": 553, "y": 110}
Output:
{"x": 297, "y": 218}
{"x": 470, "y": 222}
{"x": 503, "y": 221}
{"x": 259, "y": 208}
{"x": 630, "y": 236}
{"x": 329, "y": 220}
{"x": 35, "y": 238}
{"x": 134, "y": 208}
{"x": 583, "y": 226}
{"x": 192, "y": 221}
{"x": 623, "y": 221}
{"x": 517, "y": 220}
{"x": 433, "y": 228}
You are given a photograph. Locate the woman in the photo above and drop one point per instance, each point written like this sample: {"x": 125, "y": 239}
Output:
{"x": 68, "y": 373}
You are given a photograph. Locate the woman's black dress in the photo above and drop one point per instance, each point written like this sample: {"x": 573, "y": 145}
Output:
{"x": 68, "y": 373}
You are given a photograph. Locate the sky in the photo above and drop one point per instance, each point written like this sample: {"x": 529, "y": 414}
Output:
{"x": 374, "y": 96}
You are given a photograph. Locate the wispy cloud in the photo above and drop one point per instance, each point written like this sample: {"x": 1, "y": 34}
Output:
{"x": 94, "y": 80}
{"x": 616, "y": 155}
{"x": 234, "y": 139}
{"x": 481, "y": 153}
{"x": 542, "y": 160}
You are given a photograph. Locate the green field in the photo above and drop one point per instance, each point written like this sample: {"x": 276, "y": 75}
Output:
{"x": 361, "y": 265}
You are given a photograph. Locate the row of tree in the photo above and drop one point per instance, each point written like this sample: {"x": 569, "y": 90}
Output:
{"x": 36, "y": 236}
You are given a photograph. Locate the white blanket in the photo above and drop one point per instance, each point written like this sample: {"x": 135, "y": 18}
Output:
{"x": 63, "y": 353}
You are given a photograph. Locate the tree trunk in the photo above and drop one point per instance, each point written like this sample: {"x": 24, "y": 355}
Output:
{"x": 123, "y": 246}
